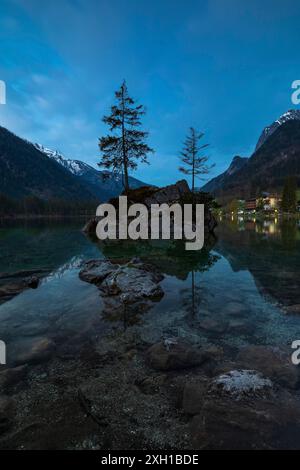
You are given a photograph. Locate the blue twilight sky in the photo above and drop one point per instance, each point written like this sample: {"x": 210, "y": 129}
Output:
{"x": 223, "y": 66}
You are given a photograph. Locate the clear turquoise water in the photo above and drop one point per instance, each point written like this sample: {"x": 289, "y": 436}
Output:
{"x": 231, "y": 294}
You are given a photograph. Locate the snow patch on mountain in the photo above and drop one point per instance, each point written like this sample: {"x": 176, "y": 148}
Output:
{"x": 103, "y": 184}
{"x": 292, "y": 114}
{"x": 76, "y": 167}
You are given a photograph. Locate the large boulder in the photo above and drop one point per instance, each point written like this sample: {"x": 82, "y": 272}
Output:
{"x": 242, "y": 410}
{"x": 273, "y": 362}
{"x": 128, "y": 284}
{"x": 95, "y": 271}
{"x": 178, "y": 192}
{"x": 133, "y": 284}
{"x": 169, "y": 194}
{"x": 239, "y": 384}
{"x": 236, "y": 384}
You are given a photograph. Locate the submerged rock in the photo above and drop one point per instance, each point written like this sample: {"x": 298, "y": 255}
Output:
{"x": 213, "y": 326}
{"x": 150, "y": 385}
{"x": 32, "y": 351}
{"x": 241, "y": 326}
{"x": 175, "y": 355}
{"x": 235, "y": 308}
{"x": 293, "y": 309}
{"x": 13, "y": 286}
{"x": 8, "y": 291}
{"x": 6, "y": 413}
{"x": 193, "y": 396}
{"x": 12, "y": 376}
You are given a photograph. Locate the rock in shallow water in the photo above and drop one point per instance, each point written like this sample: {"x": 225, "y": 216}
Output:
{"x": 10, "y": 377}
{"x": 242, "y": 410}
{"x": 32, "y": 351}
{"x": 241, "y": 383}
{"x": 131, "y": 282}
{"x": 229, "y": 424}
{"x": 6, "y": 413}
{"x": 14, "y": 284}
{"x": 95, "y": 271}
{"x": 213, "y": 326}
{"x": 32, "y": 282}
{"x": 173, "y": 356}
{"x": 235, "y": 308}
{"x": 193, "y": 396}
{"x": 292, "y": 309}
{"x": 272, "y": 362}
{"x": 135, "y": 283}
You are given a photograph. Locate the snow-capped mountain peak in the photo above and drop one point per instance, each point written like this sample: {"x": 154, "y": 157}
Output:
{"x": 76, "y": 167}
{"x": 291, "y": 114}
{"x": 102, "y": 184}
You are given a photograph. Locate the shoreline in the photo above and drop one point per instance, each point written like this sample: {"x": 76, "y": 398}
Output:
{"x": 52, "y": 216}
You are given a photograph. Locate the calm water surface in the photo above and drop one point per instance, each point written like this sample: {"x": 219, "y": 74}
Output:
{"x": 233, "y": 294}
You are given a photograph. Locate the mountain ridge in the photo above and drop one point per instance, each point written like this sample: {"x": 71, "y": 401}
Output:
{"x": 28, "y": 169}
{"x": 277, "y": 155}
{"x": 236, "y": 164}
{"x": 25, "y": 171}
{"x": 291, "y": 114}
{"x": 103, "y": 184}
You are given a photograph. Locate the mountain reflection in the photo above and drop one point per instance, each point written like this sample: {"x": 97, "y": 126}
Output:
{"x": 269, "y": 250}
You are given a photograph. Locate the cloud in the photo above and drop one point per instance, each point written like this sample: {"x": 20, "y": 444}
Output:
{"x": 213, "y": 66}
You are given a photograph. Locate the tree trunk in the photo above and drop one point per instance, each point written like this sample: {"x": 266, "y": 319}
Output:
{"x": 193, "y": 177}
{"x": 126, "y": 182}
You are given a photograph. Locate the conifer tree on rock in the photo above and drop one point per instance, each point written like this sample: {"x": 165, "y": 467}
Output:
{"x": 125, "y": 145}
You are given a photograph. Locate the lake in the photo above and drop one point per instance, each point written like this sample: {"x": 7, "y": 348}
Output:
{"x": 243, "y": 289}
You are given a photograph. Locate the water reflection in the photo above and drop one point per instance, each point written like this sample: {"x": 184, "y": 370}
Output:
{"x": 231, "y": 292}
{"x": 269, "y": 251}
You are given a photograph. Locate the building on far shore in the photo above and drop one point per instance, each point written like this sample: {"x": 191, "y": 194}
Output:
{"x": 250, "y": 204}
{"x": 266, "y": 202}
{"x": 270, "y": 201}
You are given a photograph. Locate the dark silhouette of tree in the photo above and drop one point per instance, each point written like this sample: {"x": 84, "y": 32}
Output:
{"x": 289, "y": 195}
{"x": 194, "y": 163}
{"x": 126, "y": 143}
